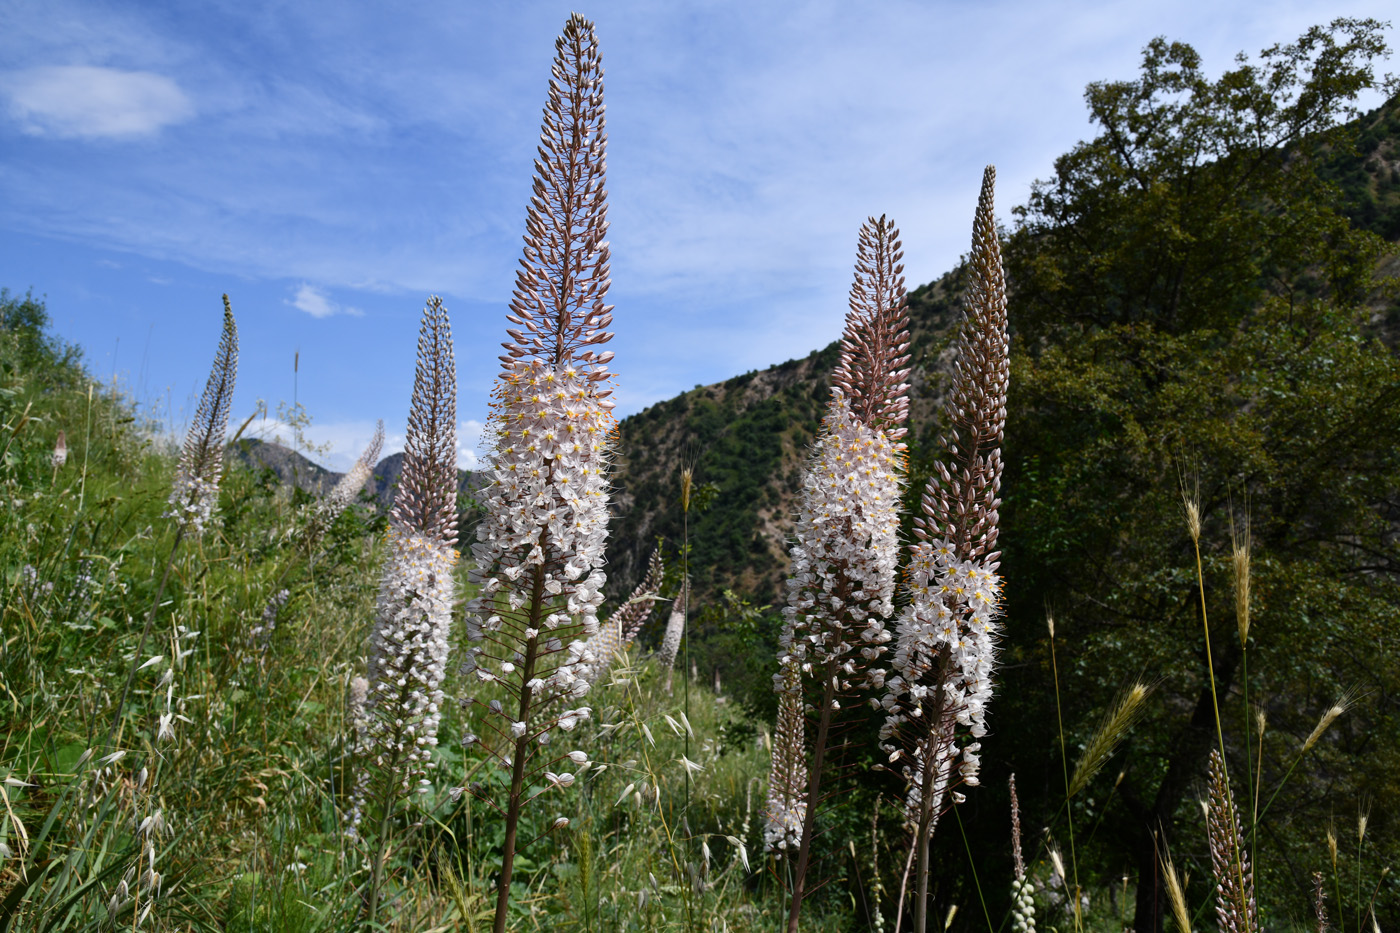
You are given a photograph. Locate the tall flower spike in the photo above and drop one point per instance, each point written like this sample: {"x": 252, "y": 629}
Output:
{"x": 1022, "y": 891}
{"x": 1229, "y": 860}
{"x": 539, "y": 553}
{"x": 616, "y": 634}
{"x": 408, "y": 644}
{"x": 675, "y": 628}
{"x": 941, "y": 672}
{"x": 846, "y": 551}
{"x": 196, "y": 489}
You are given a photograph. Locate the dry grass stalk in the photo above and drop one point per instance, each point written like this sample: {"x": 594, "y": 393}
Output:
{"x": 1320, "y": 903}
{"x": 1239, "y": 564}
{"x": 1176, "y": 896}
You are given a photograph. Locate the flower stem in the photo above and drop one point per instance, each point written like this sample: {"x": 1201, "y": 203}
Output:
{"x": 814, "y": 782}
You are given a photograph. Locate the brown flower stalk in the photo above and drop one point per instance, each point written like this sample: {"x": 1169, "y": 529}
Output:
{"x": 1229, "y": 862}
{"x": 952, "y": 578}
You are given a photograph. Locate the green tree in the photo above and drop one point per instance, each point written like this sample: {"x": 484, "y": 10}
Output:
{"x": 1188, "y": 291}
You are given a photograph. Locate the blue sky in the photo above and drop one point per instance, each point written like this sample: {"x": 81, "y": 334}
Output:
{"x": 330, "y": 165}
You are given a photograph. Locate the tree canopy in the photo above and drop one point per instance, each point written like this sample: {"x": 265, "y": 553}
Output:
{"x": 1189, "y": 304}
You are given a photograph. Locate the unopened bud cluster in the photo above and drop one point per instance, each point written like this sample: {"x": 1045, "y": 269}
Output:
{"x": 787, "y": 783}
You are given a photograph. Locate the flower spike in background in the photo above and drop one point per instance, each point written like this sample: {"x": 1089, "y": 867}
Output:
{"x": 940, "y": 674}
{"x": 409, "y": 641}
{"x": 196, "y": 489}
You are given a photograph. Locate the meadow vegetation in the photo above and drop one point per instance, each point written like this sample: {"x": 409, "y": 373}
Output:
{"x": 228, "y": 704}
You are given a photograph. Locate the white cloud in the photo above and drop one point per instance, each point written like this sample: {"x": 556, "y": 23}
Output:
{"x": 469, "y": 440}
{"x": 83, "y": 101}
{"x": 315, "y": 303}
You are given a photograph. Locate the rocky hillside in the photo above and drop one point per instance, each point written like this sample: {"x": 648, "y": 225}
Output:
{"x": 749, "y": 437}
{"x": 293, "y": 469}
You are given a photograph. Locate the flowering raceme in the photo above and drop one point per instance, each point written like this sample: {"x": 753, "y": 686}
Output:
{"x": 398, "y": 718}
{"x": 539, "y": 550}
{"x": 345, "y": 491}
{"x": 195, "y": 493}
{"x": 841, "y": 587}
{"x": 950, "y": 617}
{"x": 617, "y": 633}
{"x": 844, "y": 559}
{"x": 941, "y": 669}
{"x": 546, "y": 520}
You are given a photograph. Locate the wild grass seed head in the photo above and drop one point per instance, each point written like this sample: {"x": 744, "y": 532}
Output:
{"x": 1328, "y": 717}
{"x": 1127, "y": 709}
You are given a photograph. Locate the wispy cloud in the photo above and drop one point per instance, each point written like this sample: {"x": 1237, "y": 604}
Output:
{"x": 747, "y": 142}
{"x": 84, "y": 101}
{"x": 315, "y": 302}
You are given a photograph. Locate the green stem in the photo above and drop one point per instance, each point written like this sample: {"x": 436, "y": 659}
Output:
{"x": 1064, "y": 767}
{"x": 814, "y": 783}
{"x": 975, "y": 880}
{"x": 381, "y": 838}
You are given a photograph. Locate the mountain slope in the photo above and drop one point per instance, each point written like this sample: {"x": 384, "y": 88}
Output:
{"x": 750, "y": 435}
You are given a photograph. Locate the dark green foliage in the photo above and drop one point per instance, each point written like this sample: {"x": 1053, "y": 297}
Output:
{"x": 1188, "y": 297}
